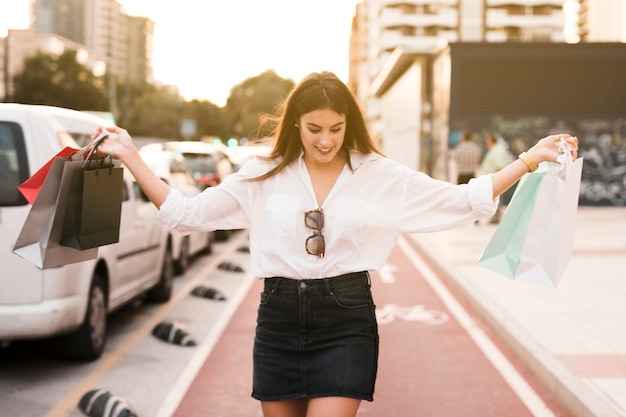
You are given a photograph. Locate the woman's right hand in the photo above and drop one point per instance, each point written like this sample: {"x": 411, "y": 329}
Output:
{"x": 118, "y": 144}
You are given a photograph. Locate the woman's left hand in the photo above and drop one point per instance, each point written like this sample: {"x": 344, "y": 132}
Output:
{"x": 549, "y": 148}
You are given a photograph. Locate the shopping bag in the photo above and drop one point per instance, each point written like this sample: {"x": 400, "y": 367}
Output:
{"x": 533, "y": 241}
{"x": 94, "y": 205}
{"x": 30, "y": 188}
{"x": 38, "y": 241}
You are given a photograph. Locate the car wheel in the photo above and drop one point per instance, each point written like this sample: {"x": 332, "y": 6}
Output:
{"x": 182, "y": 263}
{"x": 208, "y": 249}
{"x": 222, "y": 235}
{"x": 87, "y": 343}
{"x": 162, "y": 291}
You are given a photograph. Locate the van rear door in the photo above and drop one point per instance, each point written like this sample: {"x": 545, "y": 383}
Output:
{"x": 18, "y": 282}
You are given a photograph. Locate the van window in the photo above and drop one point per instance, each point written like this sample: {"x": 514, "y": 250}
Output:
{"x": 13, "y": 164}
{"x": 82, "y": 139}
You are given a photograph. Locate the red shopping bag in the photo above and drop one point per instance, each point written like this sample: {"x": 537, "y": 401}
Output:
{"x": 30, "y": 188}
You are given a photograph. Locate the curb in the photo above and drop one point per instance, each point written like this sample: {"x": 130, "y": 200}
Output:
{"x": 566, "y": 387}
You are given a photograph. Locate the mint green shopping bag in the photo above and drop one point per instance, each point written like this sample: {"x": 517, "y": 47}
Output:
{"x": 533, "y": 242}
{"x": 504, "y": 251}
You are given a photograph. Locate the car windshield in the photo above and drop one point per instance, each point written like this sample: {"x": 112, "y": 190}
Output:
{"x": 200, "y": 163}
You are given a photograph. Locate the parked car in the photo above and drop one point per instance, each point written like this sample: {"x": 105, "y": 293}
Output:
{"x": 243, "y": 153}
{"x": 71, "y": 303}
{"x": 173, "y": 169}
{"x": 209, "y": 163}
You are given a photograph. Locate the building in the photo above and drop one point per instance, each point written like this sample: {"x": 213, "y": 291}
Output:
{"x": 415, "y": 73}
{"x": 21, "y": 44}
{"x": 521, "y": 91}
{"x": 383, "y": 29}
{"x": 140, "y": 49}
{"x": 100, "y": 25}
{"x": 100, "y": 30}
{"x": 595, "y": 20}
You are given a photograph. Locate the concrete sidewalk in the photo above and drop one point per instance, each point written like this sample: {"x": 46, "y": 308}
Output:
{"x": 574, "y": 336}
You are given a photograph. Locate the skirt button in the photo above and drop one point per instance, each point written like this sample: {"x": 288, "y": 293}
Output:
{"x": 303, "y": 285}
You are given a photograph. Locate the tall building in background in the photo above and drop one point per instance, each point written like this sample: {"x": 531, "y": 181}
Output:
{"x": 65, "y": 18}
{"x": 381, "y": 27}
{"x": 388, "y": 35}
{"x": 104, "y": 36}
{"x": 99, "y": 25}
{"x": 140, "y": 49}
{"x": 596, "y": 20}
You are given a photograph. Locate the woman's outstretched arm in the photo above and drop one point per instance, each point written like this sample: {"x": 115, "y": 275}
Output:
{"x": 546, "y": 149}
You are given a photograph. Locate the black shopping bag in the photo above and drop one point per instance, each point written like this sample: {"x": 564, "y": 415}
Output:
{"x": 39, "y": 239}
{"x": 94, "y": 205}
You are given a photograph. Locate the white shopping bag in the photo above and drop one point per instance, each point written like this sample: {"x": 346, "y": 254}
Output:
{"x": 533, "y": 242}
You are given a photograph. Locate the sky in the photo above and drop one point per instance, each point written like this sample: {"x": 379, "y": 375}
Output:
{"x": 206, "y": 47}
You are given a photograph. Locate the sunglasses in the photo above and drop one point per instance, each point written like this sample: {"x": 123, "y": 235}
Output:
{"x": 315, "y": 244}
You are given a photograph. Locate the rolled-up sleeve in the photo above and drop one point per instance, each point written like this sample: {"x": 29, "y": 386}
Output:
{"x": 213, "y": 209}
{"x": 430, "y": 205}
{"x": 480, "y": 195}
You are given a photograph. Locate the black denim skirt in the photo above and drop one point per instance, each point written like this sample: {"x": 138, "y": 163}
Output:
{"x": 316, "y": 338}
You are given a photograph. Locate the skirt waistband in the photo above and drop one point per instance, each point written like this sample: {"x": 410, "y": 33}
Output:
{"x": 320, "y": 285}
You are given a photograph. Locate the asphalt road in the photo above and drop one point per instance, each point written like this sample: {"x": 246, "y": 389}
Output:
{"x": 35, "y": 381}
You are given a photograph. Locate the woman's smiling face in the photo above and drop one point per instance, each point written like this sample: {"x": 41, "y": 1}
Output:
{"x": 322, "y": 133}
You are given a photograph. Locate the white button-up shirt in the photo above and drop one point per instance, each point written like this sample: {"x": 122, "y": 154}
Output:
{"x": 365, "y": 213}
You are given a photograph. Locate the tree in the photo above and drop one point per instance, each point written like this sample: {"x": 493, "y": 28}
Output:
{"x": 59, "y": 81}
{"x": 151, "y": 111}
{"x": 253, "y": 99}
{"x": 210, "y": 119}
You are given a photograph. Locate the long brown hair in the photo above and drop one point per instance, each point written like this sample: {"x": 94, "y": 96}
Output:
{"x": 317, "y": 91}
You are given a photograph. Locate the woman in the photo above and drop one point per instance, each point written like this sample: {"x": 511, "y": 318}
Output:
{"x": 323, "y": 209}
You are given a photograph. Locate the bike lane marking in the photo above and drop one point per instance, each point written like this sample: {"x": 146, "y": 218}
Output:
{"x": 428, "y": 369}
{"x": 518, "y": 384}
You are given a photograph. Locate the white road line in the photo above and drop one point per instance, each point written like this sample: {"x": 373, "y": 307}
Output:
{"x": 517, "y": 383}
{"x": 386, "y": 273}
{"x": 180, "y": 388}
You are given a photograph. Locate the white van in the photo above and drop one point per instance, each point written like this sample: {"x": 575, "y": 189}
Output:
{"x": 72, "y": 301}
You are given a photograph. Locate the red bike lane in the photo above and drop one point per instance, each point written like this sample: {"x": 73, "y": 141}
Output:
{"x": 429, "y": 365}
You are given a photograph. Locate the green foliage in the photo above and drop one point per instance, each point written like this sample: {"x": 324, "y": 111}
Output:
{"x": 253, "y": 99}
{"x": 147, "y": 109}
{"x": 210, "y": 119}
{"x": 59, "y": 81}
{"x": 151, "y": 111}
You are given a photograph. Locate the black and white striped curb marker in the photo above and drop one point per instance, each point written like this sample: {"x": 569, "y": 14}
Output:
{"x": 207, "y": 292}
{"x": 102, "y": 403}
{"x": 229, "y": 266}
{"x": 173, "y": 333}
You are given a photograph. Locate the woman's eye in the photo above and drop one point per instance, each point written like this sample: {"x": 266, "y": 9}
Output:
{"x": 315, "y": 130}
{"x": 336, "y": 130}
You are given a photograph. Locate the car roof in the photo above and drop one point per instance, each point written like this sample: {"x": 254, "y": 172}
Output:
{"x": 160, "y": 161}
{"x": 191, "y": 147}
{"x": 72, "y": 120}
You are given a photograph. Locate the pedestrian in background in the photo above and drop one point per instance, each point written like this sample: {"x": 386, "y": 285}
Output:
{"x": 468, "y": 155}
{"x": 496, "y": 158}
{"x": 323, "y": 209}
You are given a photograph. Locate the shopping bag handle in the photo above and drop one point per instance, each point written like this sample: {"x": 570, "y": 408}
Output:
{"x": 92, "y": 147}
{"x": 100, "y": 162}
{"x": 565, "y": 156}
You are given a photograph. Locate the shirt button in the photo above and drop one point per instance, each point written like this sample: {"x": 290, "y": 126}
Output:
{"x": 303, "y": 285}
